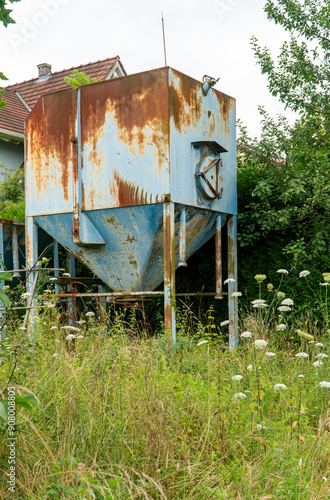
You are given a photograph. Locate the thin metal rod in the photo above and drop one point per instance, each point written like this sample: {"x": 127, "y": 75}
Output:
{"x": 30, "y": 299}
{"x": 133, "y": 294}
{"x": 218, "y": 258}
{"x": 232, "y": 286}
{"x": 182, "y": 244}
{"x": 164, "y": 43}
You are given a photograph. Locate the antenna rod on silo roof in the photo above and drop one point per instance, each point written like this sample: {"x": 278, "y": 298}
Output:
{"x": 164, "y": 39}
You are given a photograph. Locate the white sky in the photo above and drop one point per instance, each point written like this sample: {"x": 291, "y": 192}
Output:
{"x": 202, "y": 36}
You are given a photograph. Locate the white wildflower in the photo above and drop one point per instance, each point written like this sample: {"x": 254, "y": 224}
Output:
{"x": 284, "y": 308}
{"x": 270, "y": 354}
{"x": 301, "y": 376}
{"x": 236, "y": 294}
{"x": 240, "y": 395}
{"x": 318, "y": 363}
{"x": 287, "y": 302}
{"x": 282, "y": 271}
{"x": 229, "y": 280}
{"x": 79, "y": 337}
{"x": 22, "y": 328}
{"x": 280, "y": 327}
{"x": 324, "y": 478}
{"x": 312, "y": 342}
{"x": 302, "y": 355}
{"x": 322, "y": 355}
{"x": 258, "y": 301}
{"x": 25, "y": 295}
{"x": 246, "y": 335}
{"x": 224, "y": 323}
{"x": 303, "y": 274}
{"x": 81, "y": 322}
{"x": 49, "y": 291}
{"x": 90, "y": 314}
{"x": 53, "y": 278}
{"x": 69, "y": 327}
{"x": 71, "y": 336}
{"x": 202, "y": 342}
{"x": 278, "y": 387}
{"x": 67, "y": 275}
{"x": 260, "y": 343}
{"x": 260, "y": 427}
{"x": 249, "y": 368}
{"x": 55, "y": 355}
{"x": 50, "y": 305}
{"x": 260, "y": 306}
{"x": 319, "y": 344}
{"x": 237, "y": 377}
{"x": 325, "y": 384}
{"x": 324, "y": 284}
{"x": 54, "y": 327}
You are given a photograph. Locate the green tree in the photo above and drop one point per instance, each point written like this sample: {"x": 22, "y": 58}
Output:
{"x": 78, "y": 78}
{"x": 301, "y": 76}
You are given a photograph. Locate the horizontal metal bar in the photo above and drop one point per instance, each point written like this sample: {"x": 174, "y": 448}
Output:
{"x": 34, "y": 269}
{"x": 21, "y": 307}
{"x": 133, "y": 294}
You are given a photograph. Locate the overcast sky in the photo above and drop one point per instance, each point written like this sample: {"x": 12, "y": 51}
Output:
{"x": 202, "y": 36}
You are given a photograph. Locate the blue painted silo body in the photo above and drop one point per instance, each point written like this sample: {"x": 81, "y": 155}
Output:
{"x": 101, "y": 160}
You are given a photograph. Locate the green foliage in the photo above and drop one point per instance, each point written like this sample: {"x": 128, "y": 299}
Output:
{"x": 12, "y": 201}
{"x": 302, "y": 74}
{"x": 4, "y": 276}
{"x": 5, "y": 19}
{"x": 78, "y": 78}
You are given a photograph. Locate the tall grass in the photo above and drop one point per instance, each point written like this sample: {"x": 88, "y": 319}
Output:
{"x": 130, "y": 418}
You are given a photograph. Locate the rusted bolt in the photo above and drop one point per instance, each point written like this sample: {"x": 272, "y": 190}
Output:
{"x": 74, "y": 139}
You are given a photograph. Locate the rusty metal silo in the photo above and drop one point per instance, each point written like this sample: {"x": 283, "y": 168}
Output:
{"x": 132, "y": 176}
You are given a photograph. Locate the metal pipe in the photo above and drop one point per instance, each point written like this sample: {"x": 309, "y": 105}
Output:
{"x": 183, "y": 249}
{"x": 15, "y": 250}
{"x": 169, "y": 268}
{"x": 31, "y": 245}
{"x": 56, "y": 263}
{"x": 232, "y": 286}
{"x": 218, "y": 259}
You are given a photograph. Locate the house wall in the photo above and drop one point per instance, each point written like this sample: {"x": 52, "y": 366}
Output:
{"x": 11, "y": 155}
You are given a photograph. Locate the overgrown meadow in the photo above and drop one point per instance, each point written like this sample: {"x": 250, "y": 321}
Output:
{"x": 108, "y": 410}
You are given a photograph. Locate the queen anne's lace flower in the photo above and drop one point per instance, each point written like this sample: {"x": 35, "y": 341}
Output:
{"x": 229, "y": 280}
{"x": 72, "y": 328}
{"x": 258, "y": 301}
{"x": 270, "y": 354}
{"x": 319, "y": 344}
{"x": 236, "y": 294}
{"x": 90, "y": 314}
{"x": 246, "y": 335}
{"x": 322, "y": 355}
{"x": 282, "y": 271}
{"x": 202, "y": 342}
{"x": 287, "y": 302}
{"x": 224, "y": 323}
{"x": 279, "y": 387}
{"x": 240, "y": 395}
{"x": 71, "y": 336}
{"x": 237, "y": 377}
{"x": 325, "y": 384}
{"x": 280, "y": 327}
{"x": 302, "y": 355}
{"x": 260, "y": 343}
{"x": 303, "y": 274}
{"x": 318, "y": 363}
{"x": 301, "y": 376}
{"x": 284, "y": 308}
{"x": 249, "y": 368}
{"x": 260, "y": 277}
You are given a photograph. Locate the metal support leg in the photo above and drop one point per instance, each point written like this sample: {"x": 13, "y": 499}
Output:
{"x": 218, "y": 259}
{"x": 15, "y": 251}
{"x": 232, "y": 287}
{"x": 183, "y": 249}
{"x": 71, "y": 269}
{"x": 169, "y": 269}
{"x": 56, "y": 263}
{"x": 32, "y": 275}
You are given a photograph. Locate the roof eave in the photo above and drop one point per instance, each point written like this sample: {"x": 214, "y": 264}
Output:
{"x": 11, "y": 136}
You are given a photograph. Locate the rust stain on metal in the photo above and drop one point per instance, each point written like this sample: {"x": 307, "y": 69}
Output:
{"x": 128, "y": 194}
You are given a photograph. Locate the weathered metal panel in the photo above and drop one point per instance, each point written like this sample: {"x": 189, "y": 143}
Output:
{"x": 195, "y": 117}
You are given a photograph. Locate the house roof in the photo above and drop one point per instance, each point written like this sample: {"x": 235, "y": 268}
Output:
{"x": 14, "y": 114}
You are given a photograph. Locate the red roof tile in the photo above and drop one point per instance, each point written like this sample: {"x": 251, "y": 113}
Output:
{"x": 13, "y": 116}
